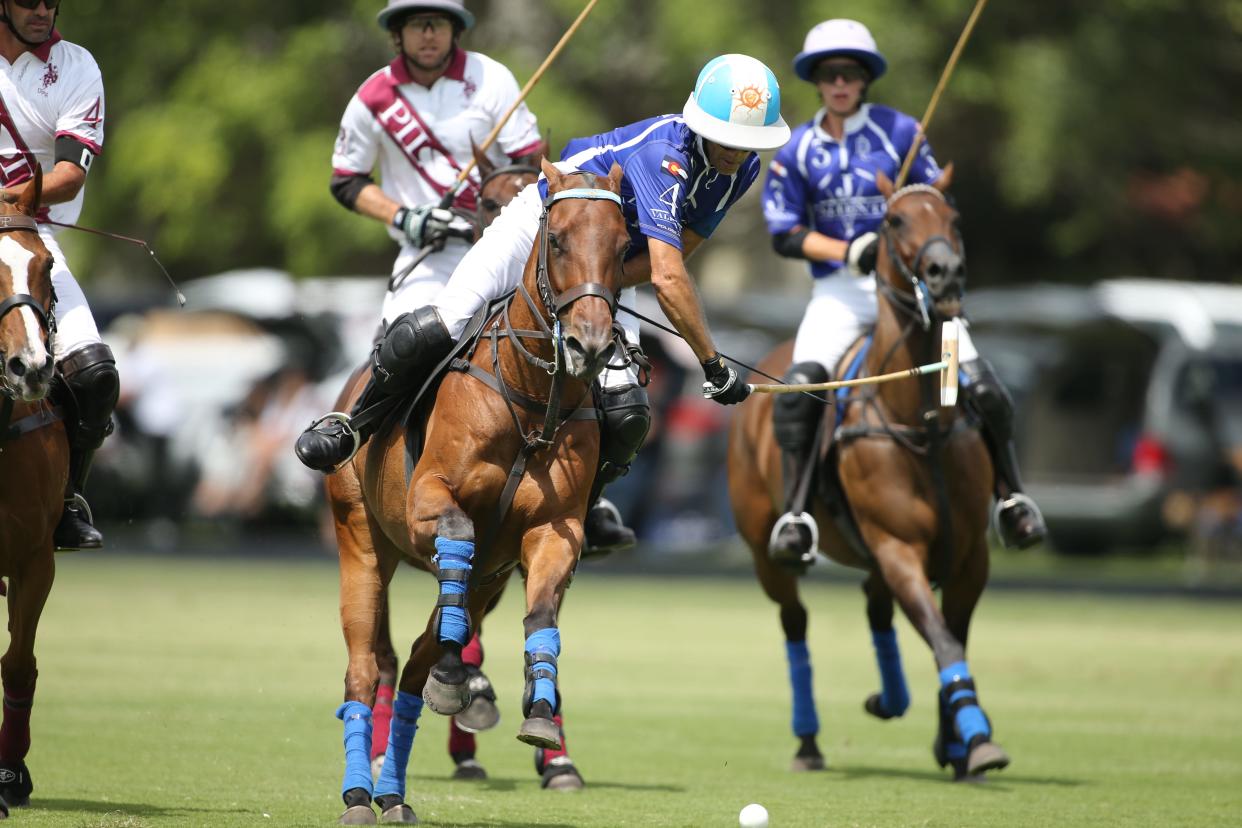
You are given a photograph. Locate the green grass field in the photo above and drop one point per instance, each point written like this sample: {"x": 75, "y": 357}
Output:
{"x": 201, "y": 694}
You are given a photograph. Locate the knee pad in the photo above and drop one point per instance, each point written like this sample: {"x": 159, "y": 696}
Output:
{"x": 626, "y": 414}
{"x": 92, "y": 384}
{"x": 414, "y": 341}
{"x": 794, "y": 415}
{"x": 989, "y": 399}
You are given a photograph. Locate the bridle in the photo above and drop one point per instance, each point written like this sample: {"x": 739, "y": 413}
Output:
{"x": 47, "y": 318}
{"x": 920, "y": 302}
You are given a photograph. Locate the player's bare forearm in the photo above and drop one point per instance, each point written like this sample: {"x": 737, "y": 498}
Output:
{"x": 62, "y": 184}
{"x": 678, "y": 297}
{"x": 821, "y": 248}
{"x": 374, "y": 203}
{"x": 637, "y": 271}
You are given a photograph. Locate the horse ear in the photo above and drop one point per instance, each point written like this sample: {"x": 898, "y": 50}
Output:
{"x": 883, "y": 184}
{"x": 946, "y": 178}
{"x": 614, "y": 178}
{"x": 553, "y": 174}
{"x": 28, "y": 201}
{"x": 481, "y": 160}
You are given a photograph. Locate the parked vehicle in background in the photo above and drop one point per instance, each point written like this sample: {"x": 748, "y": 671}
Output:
{"x": 1129, "y": 402}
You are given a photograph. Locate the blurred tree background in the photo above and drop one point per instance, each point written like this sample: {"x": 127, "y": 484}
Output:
{"x": 1090, "y": 140}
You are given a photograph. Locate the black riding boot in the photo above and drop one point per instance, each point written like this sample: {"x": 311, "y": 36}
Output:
{"x": 626, "y": 419}
{"x": 795, "y": 417}
{"x": 1018, "y": 520}
{"x": 88, "y": 389}
{"x": 411, "y": 347}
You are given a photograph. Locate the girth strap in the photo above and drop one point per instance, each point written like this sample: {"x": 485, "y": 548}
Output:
{"x": 43, "y": 416}
{"x": 529, "y": 403}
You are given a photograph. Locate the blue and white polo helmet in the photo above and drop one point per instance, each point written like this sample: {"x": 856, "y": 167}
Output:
{"x": 736, "y": 103}
{"x": 848, "y": 38}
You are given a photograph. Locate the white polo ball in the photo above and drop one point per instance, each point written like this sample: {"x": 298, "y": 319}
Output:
{"x": 753, "y": 815}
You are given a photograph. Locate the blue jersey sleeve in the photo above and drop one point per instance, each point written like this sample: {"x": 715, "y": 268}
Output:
{"x": 747, "y": 176}
{"x": 784, "y": 192}
{"x": 658, "y": 174}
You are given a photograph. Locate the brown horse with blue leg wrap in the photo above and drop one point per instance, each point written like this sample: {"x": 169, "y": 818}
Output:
{"x": 34, "y": 468}
{"x": 904, "y": 487}
{"x": 508, "y": 452}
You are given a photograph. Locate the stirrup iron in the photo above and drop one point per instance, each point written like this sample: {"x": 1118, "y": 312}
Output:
{"x": 346, "y": 422}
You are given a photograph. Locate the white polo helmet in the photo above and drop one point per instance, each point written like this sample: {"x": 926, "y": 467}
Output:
{"x": 736, "y": 103}
{"x": 848, "y": 38}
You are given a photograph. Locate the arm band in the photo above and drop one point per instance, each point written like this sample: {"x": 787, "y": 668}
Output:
{"x": 345, "y": 188}
{"x": 789, "y": 244}
{"x": 74, "y": 151}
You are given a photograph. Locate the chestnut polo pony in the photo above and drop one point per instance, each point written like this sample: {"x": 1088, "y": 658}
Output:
{"x": 498, "y": 185}
{"x": 34, "y": 467}
{"x": 904, "y": 489}
{"x": 509, "y": 450}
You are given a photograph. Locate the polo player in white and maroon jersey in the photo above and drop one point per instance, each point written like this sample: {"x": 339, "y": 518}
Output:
{"x": 52, "y": 115}
{"x": 418, "y": 117}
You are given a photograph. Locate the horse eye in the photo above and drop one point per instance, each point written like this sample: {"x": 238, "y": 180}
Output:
{"x": 554, "y": 242}
{"x": 491, "y": 205}
{"x": 895, "y": 221}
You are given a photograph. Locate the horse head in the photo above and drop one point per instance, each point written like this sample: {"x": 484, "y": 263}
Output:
{"x": 498, "y": 185}
{"x": 922, "y": 242}
{"x": 27, "y": 301}
{"x": 578, "y": 270}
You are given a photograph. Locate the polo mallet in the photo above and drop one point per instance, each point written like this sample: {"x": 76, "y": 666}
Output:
{"x": 948, "y": 353}
{"x": 119, "y": 237}
{"x": 464, "y": 175}
{"x": 935, "y": 98}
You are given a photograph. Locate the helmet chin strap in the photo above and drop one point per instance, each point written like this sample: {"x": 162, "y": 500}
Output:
{"x": 4, "y": 15}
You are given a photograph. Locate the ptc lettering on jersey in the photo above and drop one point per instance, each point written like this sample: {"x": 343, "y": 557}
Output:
{"x": 401, "y": 125}
{"x": 674, "y": 168}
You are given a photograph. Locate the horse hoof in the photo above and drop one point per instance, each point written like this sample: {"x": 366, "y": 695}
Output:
{"x": 399, "y": 813}
{"x": 377, "y": 765}
{"x": 561, "y": 775}
{"x": 807, "y": 763}
{"x": 986, "y": 756}
{"x": 481, "y": 714}
{"x": 543, "y": 733}
{"x": 469, "y": 769}
{"x": 357, "y": 815}
{"x": 875, "y": 707}
{"x": 445, "y": 699}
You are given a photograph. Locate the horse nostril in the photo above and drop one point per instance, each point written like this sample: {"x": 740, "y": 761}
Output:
{"x": 17, "y": 367}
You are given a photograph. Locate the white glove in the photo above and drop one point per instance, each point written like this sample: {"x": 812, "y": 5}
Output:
{"x": 861, "y": 253}
{"x": 424, "y": 225}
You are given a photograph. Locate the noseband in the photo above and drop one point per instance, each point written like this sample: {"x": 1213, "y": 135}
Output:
{"x": 920, "y": 303}
{"x": 47, "y": 318}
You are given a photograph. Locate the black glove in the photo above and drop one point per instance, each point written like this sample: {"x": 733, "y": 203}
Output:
{"x": 723, "y": 384}
{"x": 423, "y": 225}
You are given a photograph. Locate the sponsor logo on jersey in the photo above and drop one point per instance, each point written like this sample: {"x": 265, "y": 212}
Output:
{"x": 669, "y": 199}
{"x": 778, "y": 168}
{"x": 50, "y": 75}
{"x": 674, "y": 168}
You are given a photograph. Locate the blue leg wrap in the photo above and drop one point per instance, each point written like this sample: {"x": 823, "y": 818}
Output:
{"x": 453, "y": 558}
{"x": 894, "y": 694}
{"x": 960, "y": 695}
{"x": 406, "y": 709}
{"x": 543, "y": 647}
{"x": 357, "y": 719}
{"x": 805, "y": 720}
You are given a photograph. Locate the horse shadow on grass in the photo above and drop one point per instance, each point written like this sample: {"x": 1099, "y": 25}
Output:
{"x": 999, "y": 783}
{"x": 123, "y": 809}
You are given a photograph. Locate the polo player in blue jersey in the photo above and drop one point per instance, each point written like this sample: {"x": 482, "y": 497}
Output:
{"x": 821, "y": 204}
{"x": 682, "y": 173}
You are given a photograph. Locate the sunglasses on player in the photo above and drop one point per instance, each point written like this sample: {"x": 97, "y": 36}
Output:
{"x": 28, "y": 4}
{"x": 829, "y": 72}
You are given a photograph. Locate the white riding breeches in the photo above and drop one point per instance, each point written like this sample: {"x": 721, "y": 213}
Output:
{"x": 423, "y": 282}
{"x": 75, "y": 326}
{"x": 842, "y": 307}
{"x": 494, "y": 266}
